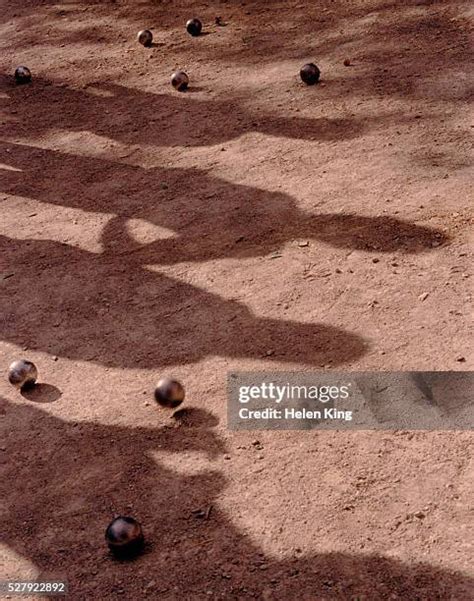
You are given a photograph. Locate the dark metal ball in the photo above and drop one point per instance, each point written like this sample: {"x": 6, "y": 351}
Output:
{"x": 194, "y": 27}
{"x": 179, "y": 80}
{"x": 22, "y": 374}
{"x": 124, "y": 536}
{"x": 145, "y": 38}
{"x": 310, "y": 74}
{"x": 169, "y": 393}
{"x": 22, "y": 75}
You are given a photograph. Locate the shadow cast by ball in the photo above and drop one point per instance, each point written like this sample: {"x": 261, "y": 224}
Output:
{"x": 193, "y": 417}
{"x": 41, "y": 393}
{"x": 193, "y": 89}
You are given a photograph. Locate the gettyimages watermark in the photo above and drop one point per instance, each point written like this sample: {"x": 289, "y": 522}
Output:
{"x": 351, "y": 400}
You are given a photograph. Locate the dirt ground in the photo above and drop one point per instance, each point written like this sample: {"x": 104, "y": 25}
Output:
{"x": 251, "y": 223}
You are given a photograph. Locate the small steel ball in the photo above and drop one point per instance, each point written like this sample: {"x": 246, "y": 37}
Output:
{"x": 169, "y": 393}
{"x": 22, "y": 75}
{"x": 194, "y": 27}
{"x": 179, "y": 81}
{"x": 124, "y": 536}
{"x": 22, "y": 374}
{"x": 310, "y": 73}
{"x": 145, "y": 38}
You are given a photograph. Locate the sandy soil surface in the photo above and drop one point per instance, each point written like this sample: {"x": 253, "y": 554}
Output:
{"x": 251, "y": 223}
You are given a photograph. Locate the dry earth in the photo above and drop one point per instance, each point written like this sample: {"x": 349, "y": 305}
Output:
{"x": 252, "y": 223}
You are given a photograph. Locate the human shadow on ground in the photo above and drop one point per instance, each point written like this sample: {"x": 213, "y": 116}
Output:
{"x": 110, "y": 308}
{"x": 134, "y": 116}
{"x": 63, "y": 482}
{"x": 211, "y": 218}
{"x": 101, "y": 307}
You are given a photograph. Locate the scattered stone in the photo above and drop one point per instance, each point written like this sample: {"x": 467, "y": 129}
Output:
{"x": 375, "y": 260}
{"x": 420, "y": 515}
{"x": 423, "y": 296}
{"x": 461, "y": 359}
{"x": 303, "y": 243}
{"x": 199, "y": 513}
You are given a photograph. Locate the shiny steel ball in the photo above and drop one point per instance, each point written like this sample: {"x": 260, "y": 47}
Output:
{"x": 22, "y": 75}
{"x": 169, "y": 393}
{"x": 124, "y": 536}
{"x": 310, "y": 74}
{"x": 180, "y": 81}
{"x": 145, "y": 38}
{"x": 194, "y": 27}
{"x": 22, "y": 374}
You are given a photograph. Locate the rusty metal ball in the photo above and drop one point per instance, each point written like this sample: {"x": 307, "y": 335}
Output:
{"x": 310, "y": 74}
{"x": 22, "y": 75}
{"x": 179, "y": 81}
{"x": 194, "y": 27}
{"x": 145, "y": 38}
{"x": 124, "y": 536}
{"x": 169, "y": 393}
{"x": 22, "y": 374}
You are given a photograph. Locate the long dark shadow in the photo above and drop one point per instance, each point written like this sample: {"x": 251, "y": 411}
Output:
{"x": 63, "y": 482}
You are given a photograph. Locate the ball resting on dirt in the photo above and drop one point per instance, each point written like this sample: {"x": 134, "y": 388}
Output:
{"x": 179, "y": 81}
{"x": 145, "y": 38}
{"x": 310, "y": 74}
{"x": 194, "y": 27}
{"x": 22, "y": 374}
{"x": 124, "y": 536}
{"x": 169, "y": 393}
{"x": 22, "y": 75}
